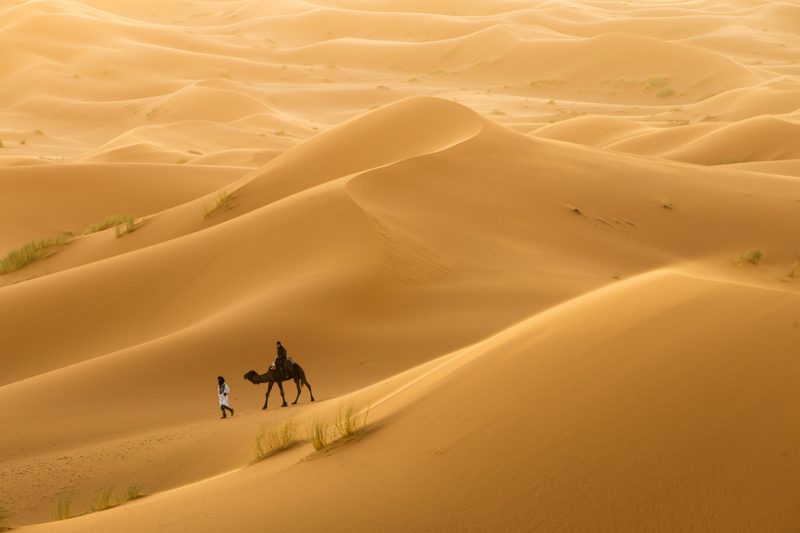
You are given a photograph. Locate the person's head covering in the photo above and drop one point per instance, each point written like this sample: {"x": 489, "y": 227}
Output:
{"x": 278, "y": 343}
{"x": 220, "y": 379}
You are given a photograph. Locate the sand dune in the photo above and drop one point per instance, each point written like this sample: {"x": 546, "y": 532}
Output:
{"x": 763, "y": 138}
{"x": 551, "y": 246}
{"x": 678, "y": 384}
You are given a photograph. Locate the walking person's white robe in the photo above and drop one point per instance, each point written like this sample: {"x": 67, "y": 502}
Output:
{"x": 222, "y": 392}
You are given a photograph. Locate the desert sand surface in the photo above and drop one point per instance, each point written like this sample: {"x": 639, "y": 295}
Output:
{"x": 549, "y": 251}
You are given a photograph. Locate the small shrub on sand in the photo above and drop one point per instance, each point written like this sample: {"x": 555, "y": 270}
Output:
{"x": 224, "y": 202}
{"x": 666, "y": 204}
{"x": 271, "y": 441}
{"x": 33, "y": 251}
{"x": 195, "y": 152}
{"x": 350, "y": 421}
{"x": 134, "y": 492}
{"x": 752, "y": 256}
{"x": 122, "y": 223}
{"x": 665, "y": 92}
{"x": 319, "y": 434}
{"x": 103, "y": 501}
{"x": 63, "y": 507}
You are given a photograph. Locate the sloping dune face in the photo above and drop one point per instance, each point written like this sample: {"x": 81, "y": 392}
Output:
{"x": 546, "y": 251}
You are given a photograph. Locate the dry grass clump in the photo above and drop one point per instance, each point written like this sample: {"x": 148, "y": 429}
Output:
{"x": 122, "y": 223}
{"x": 319, "y": 434}
{"x": 33, "y": 251}
{"x": 63, "y": 509}
{"x": 349, "y": 422}
{"x": 751, "y": 256}
{"x": 224, "y": 202}
{"x": 103, "y": 501}
{"x": 271, "y": 441}
{"x": 134, "y": 492}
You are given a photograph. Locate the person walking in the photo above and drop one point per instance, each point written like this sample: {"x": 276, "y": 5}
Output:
{"x": 222, "y": 391}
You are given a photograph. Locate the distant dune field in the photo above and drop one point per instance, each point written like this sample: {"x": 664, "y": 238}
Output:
{"x": 546, "y": 253}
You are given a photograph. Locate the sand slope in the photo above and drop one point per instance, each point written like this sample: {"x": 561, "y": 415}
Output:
{"x": 518, "y": 232}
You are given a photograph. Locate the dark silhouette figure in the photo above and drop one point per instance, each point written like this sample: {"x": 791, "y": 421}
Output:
{"x": 222, "y": 391}
{"x": 272, "y": 376}
{"x": 280, "y": 360}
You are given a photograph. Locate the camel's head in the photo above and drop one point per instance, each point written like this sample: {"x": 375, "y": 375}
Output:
{"x": 251, "y": 376}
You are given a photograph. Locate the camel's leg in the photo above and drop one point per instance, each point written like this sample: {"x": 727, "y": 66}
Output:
{"x": 280, "y": 386}
{"x": 266, "y": 398}
{"x": 305, "y": 382}
{"x": 297, "y": 384}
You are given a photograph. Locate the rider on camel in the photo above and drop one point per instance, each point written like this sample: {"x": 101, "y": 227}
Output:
{"x": 280, "y": 362}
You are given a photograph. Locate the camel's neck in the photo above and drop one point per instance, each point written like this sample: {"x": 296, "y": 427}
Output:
{"x": 264, "y": 378}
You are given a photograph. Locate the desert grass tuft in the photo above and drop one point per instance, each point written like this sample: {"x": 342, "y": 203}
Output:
{"x": 122, "y": 223}
{"x": 33, "y": 251}
{"x": 350, "y": 421}
{"x": 666, "y": 204}
{"x": 751, "y": 256}
{"x": 63, "y": 509}
{"x": 224, "y": 202}
{"x": 103, "y": 501}
{"x": 319, "y": 434}
{"x": 134, "y": 492}
{"x": 271, "y": 441}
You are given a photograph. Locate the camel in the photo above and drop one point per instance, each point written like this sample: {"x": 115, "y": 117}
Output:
{"x": 272, "y": 376}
